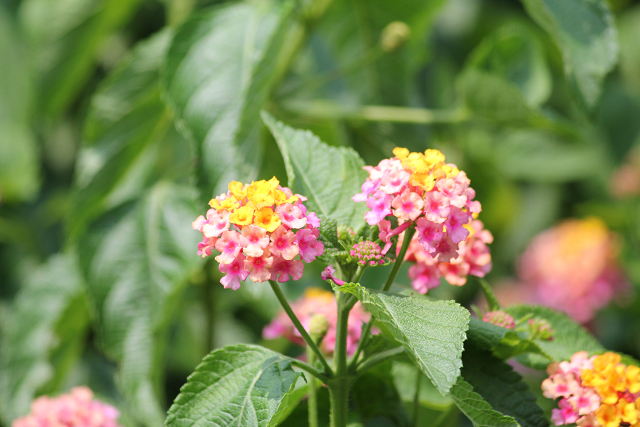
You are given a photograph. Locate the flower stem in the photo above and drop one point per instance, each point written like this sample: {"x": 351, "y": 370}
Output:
{"x": 310, "y": 369}
{"x": 313, "y": 393}
{"x": 296, "y": 322}
{"x": 416, "y": 400}
{"x": 408, "y": 235}
{"x": 340, "y": 384}
{"x": 378, "y": 359}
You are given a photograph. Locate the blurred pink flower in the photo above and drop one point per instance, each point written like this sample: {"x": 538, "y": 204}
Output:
{"x": 573, "y": 262}
{"x": 318, "y": 301}
{"x": 76, "y": 409}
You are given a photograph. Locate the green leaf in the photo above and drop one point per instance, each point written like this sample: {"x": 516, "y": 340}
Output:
{"x": 432, "y": 331}
{"x": 219, "y": 72}
{"x": 241, "y": 385}
{"x": 328, "y": 176}
{"x": 44, "y": 334}
{"x": 375, "y": 396}
{"x": 404, "y": 376}
{"x": 478, "y": 410}
{"x": 489, "y": 295}
{"x": 18, "y": 150}
{"x": 66, "y": 37}
{"x": 585, "y": 33}
{"x": 568, "y": 338}
{"x": 497, "y": 383}
{"x": 502, "y": 342}
{"x": 129, "y": 139}
{"x": 515, "y": 54}
{"x": 136, "y": 261}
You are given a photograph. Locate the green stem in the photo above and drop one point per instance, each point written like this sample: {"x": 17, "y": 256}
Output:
{"x": 340, "y": 384}
{"x": 408, "y": 235}
{"x": 296, "y": 322}
{"x": 416, "y": 399}
{"x": 378, "y": 359}
{"x": 310, "y": 369}
{"x": 313, "y": 393}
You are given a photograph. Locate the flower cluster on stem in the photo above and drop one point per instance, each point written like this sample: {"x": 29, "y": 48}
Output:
{"x": 262, "y": 230}
{"x": 76, "y": 409}
{"x": 597, "y": 391}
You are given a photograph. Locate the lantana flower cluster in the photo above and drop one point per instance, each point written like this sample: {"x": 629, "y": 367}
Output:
{"x": 574, "y": 261}
{"x": 499, "y": 318}
{"x": 597, "y": 391}
{"x": 421, "y": 189}
{"x": 315, "y": 302}
{"x": 76, "y": 409}
{"x": 262, "y": 230}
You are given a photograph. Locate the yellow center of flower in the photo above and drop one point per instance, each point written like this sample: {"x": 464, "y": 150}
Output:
{"x": 243, "y": 215}
{"x": 425, "y": 168}
{"x": 227, "y": 204}
{"x": 267, "y": 219}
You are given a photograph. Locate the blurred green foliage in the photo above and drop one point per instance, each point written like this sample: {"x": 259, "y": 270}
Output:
{"x": 120, "y": 119}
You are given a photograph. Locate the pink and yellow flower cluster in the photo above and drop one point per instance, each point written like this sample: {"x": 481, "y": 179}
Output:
{"x": 421, "y": 189}
{"x": 574, "y": 261}
{"x": 260, "y": 230}
{"x": 314, "y": 302}
{"x": 599, "y": 391}
{"x": 77, "y": 409}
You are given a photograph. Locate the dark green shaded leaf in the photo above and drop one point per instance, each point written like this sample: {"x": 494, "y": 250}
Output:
{"x": 585, "y": 33}
{"x": 568, "y": 337}
{"x": 375, "y": 396}
{"x": 328, "y": 176}
{"x": 478, "y": 410}
{"x": 46, "y": 327}
{"x": 501, "y": 387}
{"x": 242, "y": 385}
{"x": 432, "y": 331}
{"x": 404, "y": 377}
{"x": 219, "y": 71}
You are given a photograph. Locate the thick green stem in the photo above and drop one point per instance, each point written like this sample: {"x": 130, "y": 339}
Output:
{"x": 416, "y": 400}
{"x": 296, "y": 322}
{"x": 313, "y": 393}
{"x": 340, "y": 384}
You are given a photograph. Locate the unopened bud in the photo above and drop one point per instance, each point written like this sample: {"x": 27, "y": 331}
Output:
{"x": 499, "y": 318}
{"x": 318, "y": 326}
{"x": 540, "y": 329}
{"x": 329, "y": 273}
{"x": 394, "y": 36}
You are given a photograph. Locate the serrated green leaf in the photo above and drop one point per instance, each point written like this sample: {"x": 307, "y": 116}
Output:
{"x": 242, "y": 385}
{"x": 478, "y": 410}
{"x": 585, "y": 33}
{"x": 66, "y": 37}
{"x": 129, "y": 139}
{"x": 501, "y": 387}
{"x": 48, "y": 318}
{"x": 568, "y": 337}
{"x": 18, "y": 149}
{"x": 329, "y": 232}
{"x": 327, "y": 176}
{"x": 136, "y": 261}
{"x": 432, "y": 331}
{"x": 219, "y": 71}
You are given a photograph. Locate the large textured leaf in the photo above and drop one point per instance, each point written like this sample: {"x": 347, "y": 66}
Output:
{"x": 241, "y": 385}
{"x": 65, "y": 38}
{"x": 44, "y": 333}
{"x": 129, "y": 139}
{"x": 585, "y": 33}
{"x": 501, "y": 387}
{"x": 432, "y": 331}
{"x": 328, "y": 176}
{"x": 568, "y": 337}
{"x": 478, "y": 410}
{"x": 219, "y": 72}
{"x": 18, "y": 150}
{"x": 136, "y": 261}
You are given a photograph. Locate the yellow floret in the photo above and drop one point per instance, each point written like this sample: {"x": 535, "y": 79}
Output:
{"x": 400, "y": 153}
{"x": 608, "y": 416}
{"x": 243, "y": 215}
{"x": 237, "y": 190}
{"x": 228, "y": 204}
{"x": 267, "y": 219}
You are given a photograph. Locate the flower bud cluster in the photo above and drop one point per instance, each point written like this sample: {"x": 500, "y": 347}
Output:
{"x": 260, "y": 230}
{"x": 599, "y": 391}
{"x": 473, "y": 259}
{"x": 314, "y": 303}
{"x": 540, "y": 329}
{"x": 76, "y": 409}
{"x": 499, "y": 318}
{"x": 367, "y": 252}
{"x": 422, "y": 189}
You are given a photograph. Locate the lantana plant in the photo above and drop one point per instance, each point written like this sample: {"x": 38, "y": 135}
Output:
{"x": 413, "y": 206}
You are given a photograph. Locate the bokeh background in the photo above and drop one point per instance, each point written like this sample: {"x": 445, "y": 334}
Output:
{"x": 100, "y": 283}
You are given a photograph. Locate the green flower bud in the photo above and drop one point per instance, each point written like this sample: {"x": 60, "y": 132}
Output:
{"x": 394, "y": 36}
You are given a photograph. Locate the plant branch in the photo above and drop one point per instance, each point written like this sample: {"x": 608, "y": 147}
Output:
{"x": 378, "y": 359}
{"x": 309, "y": 369}
{"x": 296, "y": 322}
